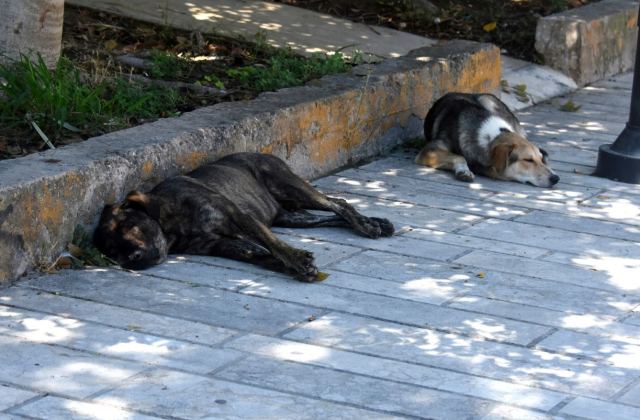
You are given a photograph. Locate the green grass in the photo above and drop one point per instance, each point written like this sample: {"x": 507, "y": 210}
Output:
{"x": 166, "y": 65}
{"x": 285, "y": 69}
{"x": 59, "y": 100}
{"x": 85, "y": 252}
{"x": 51, "y": 106}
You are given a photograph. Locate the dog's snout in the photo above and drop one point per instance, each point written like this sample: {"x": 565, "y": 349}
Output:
{"x": 553, "y": 179}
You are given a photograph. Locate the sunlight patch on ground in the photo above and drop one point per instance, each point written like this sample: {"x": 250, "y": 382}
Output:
{"x": 296, "y": 352}
{"x": 624, "y": 272}
{"x": 98, "y": 412}
{"x": 584, "y": 321}
{"x": 48, "y": 330}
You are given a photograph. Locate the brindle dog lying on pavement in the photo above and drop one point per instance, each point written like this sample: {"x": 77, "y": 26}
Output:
{"x": 225, "y": 209}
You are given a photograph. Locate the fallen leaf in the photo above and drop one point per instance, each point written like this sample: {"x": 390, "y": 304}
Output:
{"x": 321, "y": 276}
{"x": 489, "y": 26}
{"x": 132, "y": 327}
{"x": 75, "y": 250}
{"x": 110, "y": 45}
{"x": 481, "y": 275}
{"x": 63, "y": 262}
{"x": 311, "y": 318}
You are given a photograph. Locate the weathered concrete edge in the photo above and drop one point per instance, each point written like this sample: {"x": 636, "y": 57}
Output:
{"x": 591, "y": 42}
{"x": 317, "y": 128}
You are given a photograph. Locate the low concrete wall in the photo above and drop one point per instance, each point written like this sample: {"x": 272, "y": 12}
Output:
{"x": 591, "y": 42}
{"x": 329, "y": 123}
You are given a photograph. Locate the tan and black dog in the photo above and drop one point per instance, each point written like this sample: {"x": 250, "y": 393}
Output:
{"x": 477, "y": 130}
{"x": 225, "y": 209}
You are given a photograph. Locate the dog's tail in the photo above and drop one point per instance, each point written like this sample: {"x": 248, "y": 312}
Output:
{"x": 433, "y": 116}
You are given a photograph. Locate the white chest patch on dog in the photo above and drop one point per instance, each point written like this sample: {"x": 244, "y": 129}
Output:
{"x": 491, "y": 128}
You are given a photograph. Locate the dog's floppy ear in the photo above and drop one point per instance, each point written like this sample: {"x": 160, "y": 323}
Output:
{"x": 545, "y": 155}
{"x": 142, "y": 202}
{"x": 502, "y": 155}
{"x": 136, "y": 199}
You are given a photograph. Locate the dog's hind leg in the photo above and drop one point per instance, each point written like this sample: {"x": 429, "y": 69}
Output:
{"x": 245, "y": 251}
{"x": 303, "y": 219}
{"x": 438, "y": 156}
{"x": 302, "y": 195}
{"x": 294, "y": 193}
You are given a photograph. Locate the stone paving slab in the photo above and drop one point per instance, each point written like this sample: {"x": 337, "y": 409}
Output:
{"x": 116, "y": 316}
{"x": 410, "y": 241}
{"x": 10, "y": 396}
{"x": 479, "y": 357}
{"x": 595, "y": 409}
{"x": 60, "y": 408}
{"x": 600, "y": 228}
{"x": 426, "y": 180}
{"x": 506, "y": 288}
{"x": 400, "y": 311}
{"x": 354, "y": 389}
{"x": 505, "y": 412}
{"x": 493, "y": 300}
{"x": 218, "y": 307}
{"x": 118, "y": 343}
{"x": 611, "y": 281}
{"x": 520, "y": 306}
{"x": 632, "y": 396}
{"x": 406, "y": 214}
{"x": 398, "y": 244}
{"x": 59, "y": 370}
{"x": 403, "y": 372}
{"x": 338, "y": 185}
{"x": 176, "y": 394}
{"x": 554, "y": 239}
{"x": 615, "y": 352}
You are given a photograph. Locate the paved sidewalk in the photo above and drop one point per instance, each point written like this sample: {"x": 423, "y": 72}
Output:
{"x": 494, "y": 300}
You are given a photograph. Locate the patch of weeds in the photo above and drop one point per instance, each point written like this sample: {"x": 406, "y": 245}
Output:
{"x": 519, "y": 90}
{"x": 285, "y": 69}
{"x": 61, "y": 102}
{"x": 165, "y": 65}
{"x": 85, "y": 253}
{"x": 127, "y": 103}
{"x": 570, "y": 106}
{"x": 50, "y": 98}
{"x": 212, "y": 80}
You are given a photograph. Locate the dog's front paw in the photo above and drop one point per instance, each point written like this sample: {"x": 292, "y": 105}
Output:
{"x": 465, "y": 175}
{"x": 386, "y": 227}
{"x": 303, "y": 264}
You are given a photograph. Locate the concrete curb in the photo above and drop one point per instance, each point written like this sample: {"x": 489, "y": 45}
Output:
{"x": 542, "y": 83}
{"x": 591, "y": 42}
{"x": 329, "y": 123}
